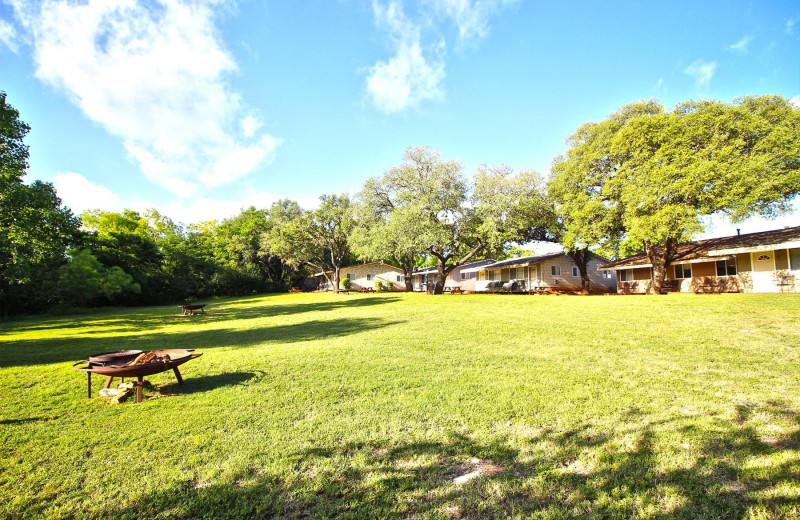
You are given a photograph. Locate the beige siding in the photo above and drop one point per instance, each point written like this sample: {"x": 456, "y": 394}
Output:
{"x": 704, "y": 269}
{"x": 781, "y": 259}
{"x": 642, "y": 273}
{"x": 383, "y": 272}
{"x": 743, "y": 262}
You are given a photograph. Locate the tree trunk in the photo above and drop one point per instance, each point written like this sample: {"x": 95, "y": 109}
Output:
{"x": 581, "y": 259}
{"x": 409, "y": 279}
{"x": 336, "y": 279}
{"x": 660, "y": 259}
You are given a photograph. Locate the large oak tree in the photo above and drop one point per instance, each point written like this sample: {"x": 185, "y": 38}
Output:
{"x": 643, "y": 179}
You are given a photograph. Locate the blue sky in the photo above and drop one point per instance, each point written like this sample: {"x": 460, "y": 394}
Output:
{"x": 202, "y": 107}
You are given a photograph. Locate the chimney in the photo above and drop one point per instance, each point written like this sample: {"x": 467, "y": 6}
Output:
{"x": 738, "y": 231}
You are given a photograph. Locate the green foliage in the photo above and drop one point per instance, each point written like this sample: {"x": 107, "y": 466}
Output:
{"x": 378, "y": 285}
{"x": 84, "y": 279}
{"x": 319, "y": 237}
{"x": 13, "y": 150}
{"x": 390, "y": 286}
{"x": 35, "y": 230}
{"x": 426, "y": 207}
{"x": 345, "y": 284}
{"x": 644, "y": 178}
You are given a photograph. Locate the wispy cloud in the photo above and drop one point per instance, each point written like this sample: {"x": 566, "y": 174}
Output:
{"x": 154, "y": 75}
{"x": 470, "y": 16}
{"x": 701, "y": 71}
{"x": 416, "y": 71}
{"x": 795, "y": 101}
{"x": 410, "y": 76}
{"x": 790, "y": 27}
{"x": 741, "y": 45}
{"x": 8, "y": 35}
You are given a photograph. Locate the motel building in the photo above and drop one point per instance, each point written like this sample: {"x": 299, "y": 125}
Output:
{"x": 765, "y": 262}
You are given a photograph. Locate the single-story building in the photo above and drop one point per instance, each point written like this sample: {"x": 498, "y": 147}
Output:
{"x": 765, "y": 262}
{"x": 548, "y": 271}
{"x": 365, "y": 276}
{"x": 462, "y": 276}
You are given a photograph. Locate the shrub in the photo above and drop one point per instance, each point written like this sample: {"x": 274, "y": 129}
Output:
{"x": 390, "y": 286}
{"x": 344, "y": 283}
{"x": 378, "y": 285}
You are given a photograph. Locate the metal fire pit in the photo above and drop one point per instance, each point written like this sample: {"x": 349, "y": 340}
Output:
{"x": 113, "y": 364}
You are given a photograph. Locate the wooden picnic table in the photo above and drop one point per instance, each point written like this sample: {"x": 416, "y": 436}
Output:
{"x": 366, "y": 289}
{"x": 456, "y": 289}
{"x": 191, "y": 309}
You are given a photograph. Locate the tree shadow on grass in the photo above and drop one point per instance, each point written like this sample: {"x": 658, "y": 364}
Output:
{"x": 148, "y": 318}
{"x": 580, "y": 473}
{"x": 55, "y": 350}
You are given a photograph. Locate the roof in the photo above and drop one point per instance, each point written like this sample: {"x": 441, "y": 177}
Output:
{"x": 464, "y": 266}
{"x": 321, "y": 273}
{"x": 719, "y": 248}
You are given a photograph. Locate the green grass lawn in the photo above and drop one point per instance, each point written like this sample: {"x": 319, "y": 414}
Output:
{"x": 322, "y": 405}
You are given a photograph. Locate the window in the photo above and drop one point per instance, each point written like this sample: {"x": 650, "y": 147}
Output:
{"x": 401, "y": 278}
{"x": 467, "y": 276}
{"x": 794, "y": 257}
{"x": 683, "y": 271}
{"x": 370, "y": 277}
{"x": 575, "y": 271}
{"x": 607, "y": 274}
{"x": 350, "y": 276}
{"x": 512, "y": 274}
{"x": 726, "y": 267}
{"x": 555, "y": 270}
{"x": 626, "y": 275}
{"x": 764, "y": 258}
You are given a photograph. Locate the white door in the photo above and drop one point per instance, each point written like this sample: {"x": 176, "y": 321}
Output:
{"x": 764, "y": 272}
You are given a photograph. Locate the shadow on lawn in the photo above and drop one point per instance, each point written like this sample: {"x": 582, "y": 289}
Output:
{"x": 56, "y": 350}
{"x": 581, "y": 473}
{"x": 208, "y": 382}
{"x": 148, "y": 318}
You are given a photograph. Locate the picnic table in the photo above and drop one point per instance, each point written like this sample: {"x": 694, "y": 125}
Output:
{"x": 295, "y": 290}
{"x": 191, "y": 309}
{"x": 456, "y": 289}
{"x": 366, "y": 289}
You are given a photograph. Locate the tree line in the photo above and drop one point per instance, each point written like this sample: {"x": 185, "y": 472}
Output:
{"x": 640, "y": 181}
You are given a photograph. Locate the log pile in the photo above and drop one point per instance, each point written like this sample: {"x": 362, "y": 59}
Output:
{"x": 148, "y": 357}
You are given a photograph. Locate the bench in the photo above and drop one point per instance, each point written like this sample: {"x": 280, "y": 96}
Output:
{"x": 454, "y": 290}
{"x": 295, "y": 290}
{"x": 192, "y": 309}
{"x": 366, "y": 289}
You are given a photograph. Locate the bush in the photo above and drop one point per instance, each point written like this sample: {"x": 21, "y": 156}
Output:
{"x": 378, "y": 285}
{"x": 344, "y": 283}
{"x": 390, "y": 286}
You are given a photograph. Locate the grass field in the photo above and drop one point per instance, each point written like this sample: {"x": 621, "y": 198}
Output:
{"x": 322, "y": 405}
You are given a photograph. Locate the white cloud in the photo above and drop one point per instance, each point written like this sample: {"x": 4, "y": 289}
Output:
{"x": 79, "y": 193}
{"x": 790, "y": 27}
{"x": 416, "y": 71}
{"x": 8, "y": 35}
{"x": 741, "y": 45}
{"x": 795, "y": 101}
{"x": 154, "y": 75}
{"x": 409, "y": 77}
{"x": 470, "y": 16}
{"x": 250, "y": 125}
{"x": 701, "y": 71}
